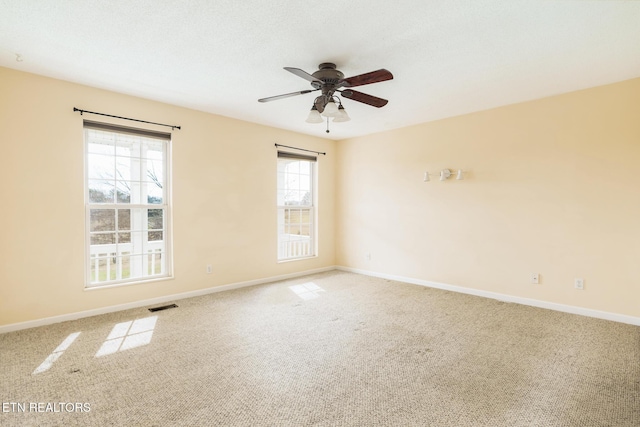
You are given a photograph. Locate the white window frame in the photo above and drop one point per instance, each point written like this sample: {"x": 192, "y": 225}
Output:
{"x": 154, "y": 256}
{"x": 292, "y": 247}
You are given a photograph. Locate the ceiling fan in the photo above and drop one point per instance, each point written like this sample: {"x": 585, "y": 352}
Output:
{"x": 329, "y": 80}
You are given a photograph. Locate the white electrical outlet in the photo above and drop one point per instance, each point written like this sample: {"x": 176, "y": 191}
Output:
{"x": 535, "y": 278}
{"x": 578, "y": 284}
{"x": 368, "y": 256}
{"x": 209, "y": 269}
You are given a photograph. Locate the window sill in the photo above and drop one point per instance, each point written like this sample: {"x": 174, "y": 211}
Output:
{"x": 280, "y": 261}
{"x": 120, "y": 284}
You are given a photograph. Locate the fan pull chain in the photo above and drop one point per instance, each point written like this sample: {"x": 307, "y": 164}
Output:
{"x": 327, "y": 124}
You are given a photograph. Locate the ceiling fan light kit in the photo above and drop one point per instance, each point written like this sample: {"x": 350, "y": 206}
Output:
{"x": 314, "y": 116}
{"x": 329, "y": 80}
{"x": 342, "y": 115}
{"x": 330, "y": 109}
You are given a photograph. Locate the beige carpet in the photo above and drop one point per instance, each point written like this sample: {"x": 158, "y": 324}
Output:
{"x": 333, "y": 349}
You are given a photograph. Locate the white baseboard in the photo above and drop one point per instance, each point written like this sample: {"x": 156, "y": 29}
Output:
{"x": 503, "y": 297}
{"x": 486, "y": 294}
{"x": 143, "y": 303}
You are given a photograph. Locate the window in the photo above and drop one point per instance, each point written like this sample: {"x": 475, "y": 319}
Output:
{"x": 296, "y": 206}
{"x": 127, "y": 210}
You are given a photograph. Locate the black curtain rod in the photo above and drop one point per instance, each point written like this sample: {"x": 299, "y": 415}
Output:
{"x": 302, "y": 149}
{"x": 125, "y": 118}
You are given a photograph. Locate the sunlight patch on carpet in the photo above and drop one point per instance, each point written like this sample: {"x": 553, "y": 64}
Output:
{"x": 128, "y": 335}
{"x": 55, "y": 354}
{"x": 307, "y": 291}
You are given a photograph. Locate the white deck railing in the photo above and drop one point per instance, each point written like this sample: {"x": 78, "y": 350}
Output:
{"x": 108, "y": 255}
{"x": 294, "y": 246}
{"x": 290, "y": 246}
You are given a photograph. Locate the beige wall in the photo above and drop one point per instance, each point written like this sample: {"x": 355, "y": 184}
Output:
{"x": 224, "y": 176}
{"x": 552, "y": 186}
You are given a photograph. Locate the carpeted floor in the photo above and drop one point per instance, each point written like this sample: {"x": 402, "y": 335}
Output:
{"x": 333, "y": 349}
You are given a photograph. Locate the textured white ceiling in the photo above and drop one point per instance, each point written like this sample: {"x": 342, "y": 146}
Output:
{"x": 448, "y": 57}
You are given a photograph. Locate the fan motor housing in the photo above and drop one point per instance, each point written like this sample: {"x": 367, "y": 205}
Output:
{"x": 328, "y": 74}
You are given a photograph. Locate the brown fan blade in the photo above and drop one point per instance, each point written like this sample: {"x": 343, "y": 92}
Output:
{"x": 301, "y": 73}
{"x": 286, "y": 95}
{"x": 364, "y": 98}
{"x": 366, "y": 79}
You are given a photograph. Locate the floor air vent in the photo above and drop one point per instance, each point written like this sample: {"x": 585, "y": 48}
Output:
{"x": 164, "y": 307}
